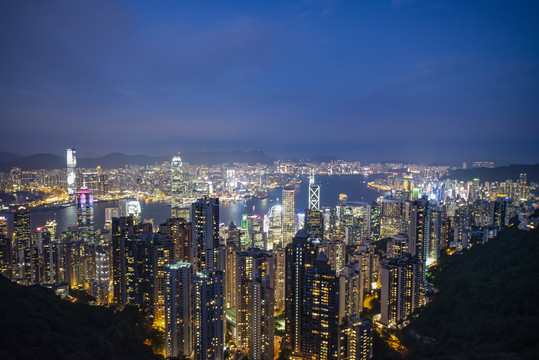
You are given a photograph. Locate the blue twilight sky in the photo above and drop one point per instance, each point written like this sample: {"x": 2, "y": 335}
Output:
{"x": 367, "y": 80}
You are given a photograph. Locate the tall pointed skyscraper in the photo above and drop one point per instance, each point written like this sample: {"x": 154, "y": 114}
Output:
{"x": 314, "y": 194}
{"x": 71, "y": 173}
{"x": 177, "y": 192}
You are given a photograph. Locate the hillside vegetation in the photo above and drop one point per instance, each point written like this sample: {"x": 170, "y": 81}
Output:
{"x": 486, "y": 305}
{"x": 37, "y": 324}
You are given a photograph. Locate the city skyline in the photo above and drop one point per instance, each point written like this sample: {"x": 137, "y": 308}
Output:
{"x": 373, "y": 81}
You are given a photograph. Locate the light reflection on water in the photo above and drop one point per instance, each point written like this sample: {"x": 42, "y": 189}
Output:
{"x": 354, "y": 186}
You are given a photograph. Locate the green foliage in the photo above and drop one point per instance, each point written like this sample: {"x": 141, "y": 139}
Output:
{"x": 35, "y": 323}
{"x": 486, "y": 306}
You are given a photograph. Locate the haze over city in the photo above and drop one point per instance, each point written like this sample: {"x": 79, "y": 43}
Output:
{"x": 269, "y": 180}
{"x": 433, "y": 81}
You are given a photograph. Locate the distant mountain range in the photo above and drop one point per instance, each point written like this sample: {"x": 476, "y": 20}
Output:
{"x": 118, "y": 160}
{"x": 501, "y": 173}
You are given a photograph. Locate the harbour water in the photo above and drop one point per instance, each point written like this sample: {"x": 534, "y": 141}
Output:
{"x": 355, "y": 186}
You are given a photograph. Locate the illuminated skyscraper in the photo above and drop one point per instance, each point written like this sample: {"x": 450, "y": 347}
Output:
{"x": 301, "y": 252}
{"x": 205, "y": 222}
{"x": 320, "y": 315}
{"x": 178, "y": 309}
{"x": 71, "y": 171}
{"x": 356, "y": 339}
{"x": 249, "y": 306}
{"x": 262, "y": 320}
{"x": 435, "y": 234}
{"x": 181, "y": 232}
{"x": 418, "y": 235}
{"x": 176, "y": 183}
{"x": 85, "y": 214}
{"x": 400, "y": 290}
{"x": 208, "y": 315}
{"x": 122, "y": 231}
{"x": 21, "y": 243}
{"x": 5, "y": 248}
{"x": 275, "y": 224}
{"x": 102, "y": 265}
{"x": 280, "y": 278}
{"x": 314, "y": 223}
{"x": 335, "y": 251}
{"x": 374, "y": 229}
{"x": 314, "y": 194}
{"x": 391, "y": 217}
{"x": 289, "y": 221}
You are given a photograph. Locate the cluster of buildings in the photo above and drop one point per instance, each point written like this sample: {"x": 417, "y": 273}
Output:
{"x": 218, "y": 289}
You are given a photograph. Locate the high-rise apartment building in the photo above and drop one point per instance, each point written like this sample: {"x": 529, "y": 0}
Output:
{"x": 178, "y": 309}
{"x": 21, "y": 243}
{"x": 250, "y": 265}
{"x": 418, "y": 237}
{"x": 208, "y": 315}
{"x": 320, "y": 317}
{"x": 299, "y": 253}
{"x": 391, "y": 212}
{"x": 205, "y": 223}
{"x": 400, "y": 290}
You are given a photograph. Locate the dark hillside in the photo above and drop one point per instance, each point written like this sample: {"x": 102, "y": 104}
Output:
{"x": 486, "y": 307}
{"x": 37, "y": 324}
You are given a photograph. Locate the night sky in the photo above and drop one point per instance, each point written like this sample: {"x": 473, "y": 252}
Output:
{"x": 367, "y": 80}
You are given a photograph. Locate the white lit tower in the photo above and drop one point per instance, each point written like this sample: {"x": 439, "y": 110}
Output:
{"x": 71, "y": 174}
{"x": 288, "y": 213}
{"x": 176, "y": 182}
{"x": 314, "y": 193}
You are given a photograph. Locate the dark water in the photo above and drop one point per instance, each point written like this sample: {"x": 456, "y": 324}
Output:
{"x": 355, "y": 186}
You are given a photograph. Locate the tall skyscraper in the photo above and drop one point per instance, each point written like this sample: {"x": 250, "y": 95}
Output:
{"x": 391, "y": 217}
{"x": 85, "y": 214}
{"x": 314, "y": 223}
{"x": 122, "y": 231}
{"x": 22, "y": 243}
{"x": 262, "y": 308}
{"x": 5, "y": 248}
{"x": 375, "y": 222}
{"x": 71, "y": 171}
{"x": 176, "y": 183}
{"x": 314, "y": 194}
{"x": 102, "y": 265}
{"x": 205, "y": 222}
{"x": 178, "y": 309}
{"x": 250, "y": 265}
{"x": 275, "y": 224}
{"x": 320, "y": 318}
{"x": 418, "y": 235}
{"x": 400, "y": 290}
{"x": 289, "y": 209}
{"x": 435, "y": 234}
{"x": 300, "y": 252}
{"x": 208, "y": 315}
